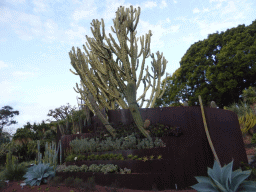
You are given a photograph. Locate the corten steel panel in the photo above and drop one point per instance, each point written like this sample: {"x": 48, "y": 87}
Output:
{"x": 226, "y": 135}
{"x": 223, "y": 127}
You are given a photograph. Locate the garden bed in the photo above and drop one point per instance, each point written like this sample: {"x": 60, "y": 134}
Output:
{"x": 15, "y": 186}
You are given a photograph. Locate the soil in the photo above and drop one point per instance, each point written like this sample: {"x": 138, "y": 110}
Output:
{"x": 249, "y": 147}
{"x": 15, "y": 185}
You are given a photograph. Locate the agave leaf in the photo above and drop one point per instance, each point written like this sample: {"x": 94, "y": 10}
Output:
{"x": 204, "y": 187}
{"x": 225, "y": 178}
{"x": 247, "y": 186}
{"x": 204, "y": 180}
{"x": 219, "y": 185}
{"x": 38, "y": 173}
{"x": 214, "y": 174}
{"x": 239, "y": 178}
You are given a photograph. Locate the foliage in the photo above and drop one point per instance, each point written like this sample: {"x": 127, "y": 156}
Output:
{"x": 223, "y": 179}
{"x": 38, "y": 173}
{"x": 108, "y": 168}
{"x": 249, "y": 95}
{"x": 129, "y": 142}
{"x": 240, "y": 109}
{"x": 247, "y": 122}
{"x": 172, "y": 94}
{"x": 125, "y": 170}
{"x": 13, "y": 171}
{"x": 217, "y": 68}
{"x": 253, "y": 141}
{"x": 5, "y": 114}
{"x": 62, "y": 113}
{"x": 107, "y": 156}
{"x": 66, "y": 114}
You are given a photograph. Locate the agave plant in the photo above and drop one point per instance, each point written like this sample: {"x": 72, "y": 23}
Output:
{"x": 37, "y": 173}
{"x": 223, "y": 179}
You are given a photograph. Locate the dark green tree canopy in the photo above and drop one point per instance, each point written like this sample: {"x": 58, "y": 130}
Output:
{"x": 5, "y": 113}
{"x": 218, "y": 68}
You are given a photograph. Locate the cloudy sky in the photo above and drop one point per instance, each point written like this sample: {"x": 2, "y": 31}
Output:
{"x": 37, "y": 35}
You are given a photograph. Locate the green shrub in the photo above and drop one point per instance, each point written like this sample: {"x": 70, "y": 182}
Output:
{"x": 254, "y": 138}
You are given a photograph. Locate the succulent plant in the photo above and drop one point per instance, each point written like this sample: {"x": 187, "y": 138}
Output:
{"x": 213, "y": 104}
{"x": 223, "y": 179}
{"x": 110, "y": 168}
{"x": 146, "y": 123}
{"x": 128, "y": 171}
{"x": 253, "y": 141}
{"x": 37, "y": 173}
{"x": 185, "y": 104}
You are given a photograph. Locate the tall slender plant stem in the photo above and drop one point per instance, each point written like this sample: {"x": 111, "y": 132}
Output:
{"x": 207, "y": 132}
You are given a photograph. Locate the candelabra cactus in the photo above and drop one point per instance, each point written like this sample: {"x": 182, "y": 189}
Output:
{"x": 107, "y": 77}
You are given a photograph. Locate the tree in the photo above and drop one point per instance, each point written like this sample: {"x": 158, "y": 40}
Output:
{"x": 5, "y": 114}
{"x": 219, "y": 68}
{"x": 25, "y": 139}
{"x": 62, "y": 113}
{"x": 249, "y": 95}
{"x": 173, "y": 91}
{"x": 105, "y": 74}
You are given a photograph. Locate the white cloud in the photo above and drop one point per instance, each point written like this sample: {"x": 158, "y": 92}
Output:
{"x": 208, "y": 28}
{"x": 40, "y": 6}
{"x": 20, "y": 75}
{"x": 180, "y": 18}
{"x": 229, "y": 8}
{"x": 150, "y": 4}
{"x": 217, "y": 1}
{"x": 83, "y": 13}
{"x": 196, "y": 10}
{"x": 174, "y": 1}
{"x": 190, "y": 39}
{"x": 3, "y": 65}
{"x": 163, "y": 4}
{"x": 168, "y": 20}
{"x": 16, "y": 2}
{"x": 206, "y": 10}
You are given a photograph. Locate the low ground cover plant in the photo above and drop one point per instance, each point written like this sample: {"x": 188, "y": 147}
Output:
{"x": 107, "y": 156}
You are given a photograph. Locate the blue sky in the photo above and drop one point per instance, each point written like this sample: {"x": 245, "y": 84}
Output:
{"x": 36, "y": 37}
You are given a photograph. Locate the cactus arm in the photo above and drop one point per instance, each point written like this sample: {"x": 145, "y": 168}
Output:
{"x": 207, "y": 132}
{"x": 101, "y": 117}
{"x": 108, "y": 78}
{"x": 135, "y": 109}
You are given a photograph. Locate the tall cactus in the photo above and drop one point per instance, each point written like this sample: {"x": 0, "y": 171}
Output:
{"x": 107, "y": 76}
{"x": 11, "y": 161}
{"x": 50, "y": 155}
{"x": 105, "y": 122}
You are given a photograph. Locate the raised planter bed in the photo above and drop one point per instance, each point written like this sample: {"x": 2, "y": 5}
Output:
{"x": 139, "y": 152}
{"x": 137, "y": 166}
{"x": 136, "y": 181}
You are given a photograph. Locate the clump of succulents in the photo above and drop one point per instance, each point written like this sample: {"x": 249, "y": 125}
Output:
{"x": 129, "y": 142}
{"x": 223, "y": 179}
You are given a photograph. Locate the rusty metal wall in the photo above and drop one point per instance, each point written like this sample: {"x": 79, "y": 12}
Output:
{"x": 222, "y": 124}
